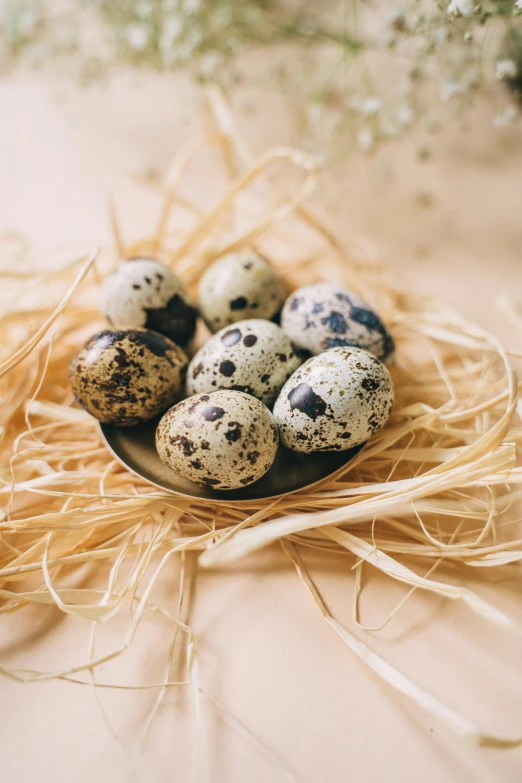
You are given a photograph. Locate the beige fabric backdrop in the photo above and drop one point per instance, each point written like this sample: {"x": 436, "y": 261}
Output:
{"x": 451, "y": 226}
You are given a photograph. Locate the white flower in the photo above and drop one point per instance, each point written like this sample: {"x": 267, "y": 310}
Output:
{"x": 191, "y": 6}
{"x": 365, "y": 139}
{"x": 388, "y": 129}
{"x": 505, "y": 117}
{"x": 396, "y": 20}
{"x": 450, "y": 88}
{"x": 440, "y": 35}
{"x": 395, "y": 24}
{"x": 453, "y": 87}
{"x": 138, "y": 36}
{"x": 144, "y": 9}
{"x": 171, "y": 32}
{"x": 405, "y": 114}
{"x": 461, "y": 7}
{"x": 368, "y": 106}
{"x": 388, "y": 38}
{"x": 184, "y": 51}
{"x": 506, "y": 69}
{"x": 172, "y": 29}
{"x": 314, "y": 113}
{"x": 209, "y": 64}
{"x": 26, "y": 23}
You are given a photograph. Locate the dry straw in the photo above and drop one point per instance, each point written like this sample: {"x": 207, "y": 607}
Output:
{"x": 436, "y": 484}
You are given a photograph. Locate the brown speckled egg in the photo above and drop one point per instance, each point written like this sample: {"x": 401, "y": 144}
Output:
{"x": 238, "y": 286}
{"x": 144, "y": 292}
{"x": 222, "y": 440}
{"x": 128, "y": 376}
{"x": 252, "y": 356}
{"x": 321, "y": 316}
{"x": 334, "y": 401}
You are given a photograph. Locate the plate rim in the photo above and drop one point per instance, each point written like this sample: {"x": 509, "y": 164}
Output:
{"x": 224, "y": 501}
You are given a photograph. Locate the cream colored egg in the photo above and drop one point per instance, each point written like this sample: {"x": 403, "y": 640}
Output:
{"x": 223, "y": 440}
{"x": 334, "y": 401}
{"x": 144, "y": 292}
{"x": 321, "y": 316}
{"x": 239, "y": 286}
{"x": 128, "y": 376}
{"x": 252, "y": 356}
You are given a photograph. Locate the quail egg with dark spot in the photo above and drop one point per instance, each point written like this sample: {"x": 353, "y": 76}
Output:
{"x": 334, "y": 401}
{"x": 321, "y": 316}
{"x": 145, "y": 292}
{"x": 238, "y": 286}
{"x": 222, "y": 440}
{"x": 252, "y": 356}
{"x": 128, "y": 376}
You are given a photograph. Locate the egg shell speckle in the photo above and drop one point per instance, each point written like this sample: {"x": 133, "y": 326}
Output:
{"x": 128, "y": 376}
{"x": 144, "y": 292}
{"x": 322, "y": 316}
{"x": 252, "y": 356}
{"x": 239, "y": 286}
{"x": 223, "y": 440}
{"x": 334, "y": 401}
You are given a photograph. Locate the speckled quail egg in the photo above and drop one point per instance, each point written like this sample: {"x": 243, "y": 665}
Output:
{"x": 145, "y": 292}
{"x": 321, "y": 316}
{"x": 128, "y": 376}
{"x": 334, "y": 401}
{"x": 238, "y": 286}
{"x": 222, "y": 440}
{"x": 252, "y": 356}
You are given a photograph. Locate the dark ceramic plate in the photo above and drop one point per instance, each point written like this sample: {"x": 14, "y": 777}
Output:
{"x": 134, "y": 447}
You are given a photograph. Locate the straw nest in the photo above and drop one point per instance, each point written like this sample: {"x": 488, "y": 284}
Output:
{"x": 435, "y": 484}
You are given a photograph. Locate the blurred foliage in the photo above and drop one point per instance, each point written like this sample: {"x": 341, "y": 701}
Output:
{"x": 353, "y": 70}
